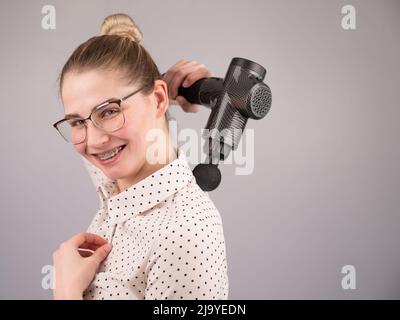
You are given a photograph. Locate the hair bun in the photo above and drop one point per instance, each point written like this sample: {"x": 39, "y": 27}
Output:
{"x": 122, "y": 25}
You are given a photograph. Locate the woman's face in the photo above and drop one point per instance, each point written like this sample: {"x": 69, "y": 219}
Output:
{"x": 83, "y": 91}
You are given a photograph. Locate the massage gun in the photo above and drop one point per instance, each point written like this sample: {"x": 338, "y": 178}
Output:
{"x": 239, "y": 96}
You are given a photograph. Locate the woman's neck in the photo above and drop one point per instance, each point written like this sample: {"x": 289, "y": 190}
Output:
{"x": 163, "y": 158}
{"x": 146, "y": 170}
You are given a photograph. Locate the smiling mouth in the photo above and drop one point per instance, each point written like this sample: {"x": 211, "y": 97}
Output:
{"x": 109, "y": 155}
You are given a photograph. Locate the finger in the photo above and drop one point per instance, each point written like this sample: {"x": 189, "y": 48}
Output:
{"x": 179, "y": 63}
{"x": 83, "y": 237}
{"x": 179, "y": 76}
{"x": 169, "y": 74}
{"x": 201, "y": 72}
{"x": 192, "y": 108}
{"x": 186, "y": 105}
{"x": 101, "y": 253}
{"x": 90, "y": 246}
{"x": 172, "y": 72}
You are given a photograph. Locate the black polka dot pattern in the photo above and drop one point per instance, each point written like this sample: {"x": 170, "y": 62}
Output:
{"x": 167, "y": 237}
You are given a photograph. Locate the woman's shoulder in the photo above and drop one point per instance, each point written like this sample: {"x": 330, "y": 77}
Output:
{"x": 192, "y": 217}
{"x": 192, "y": 207}
{"x": 192, "y": 193}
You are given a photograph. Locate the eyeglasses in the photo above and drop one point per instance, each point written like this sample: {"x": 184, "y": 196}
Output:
{"x": 107, "y": 116}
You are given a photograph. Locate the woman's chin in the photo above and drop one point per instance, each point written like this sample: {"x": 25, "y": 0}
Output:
{"x": 120, "y": 172}
{"x": 115, "y": 173}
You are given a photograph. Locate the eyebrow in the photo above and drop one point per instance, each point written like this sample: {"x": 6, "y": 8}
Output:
{"x": 75, "y": 115}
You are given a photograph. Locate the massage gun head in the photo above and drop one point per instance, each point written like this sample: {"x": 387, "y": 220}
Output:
{"x": 243, "y": 96}
{"x": 245, "y": 89}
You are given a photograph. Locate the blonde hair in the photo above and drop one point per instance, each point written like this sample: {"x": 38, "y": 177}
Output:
{"x": 118, "y": 49}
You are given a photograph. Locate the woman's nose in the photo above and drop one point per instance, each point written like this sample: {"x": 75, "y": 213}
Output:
{"x": 95, "y": 136}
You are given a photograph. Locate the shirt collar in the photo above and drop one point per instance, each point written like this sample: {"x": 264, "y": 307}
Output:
{"x": 145, "y": 194}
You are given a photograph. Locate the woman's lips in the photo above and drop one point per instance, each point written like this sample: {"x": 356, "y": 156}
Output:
{"x": 111, "y": 160}
{"x": 107, "y": 151}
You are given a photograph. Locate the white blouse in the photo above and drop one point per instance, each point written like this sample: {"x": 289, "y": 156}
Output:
{"x": 167, "y": 237}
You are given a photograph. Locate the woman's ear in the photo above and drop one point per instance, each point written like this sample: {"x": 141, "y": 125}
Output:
{"x": 161, "y": 94}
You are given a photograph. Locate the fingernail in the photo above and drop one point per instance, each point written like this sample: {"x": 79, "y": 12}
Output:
{"x": 108, "y": 247}
{"x": 185, "y": 83}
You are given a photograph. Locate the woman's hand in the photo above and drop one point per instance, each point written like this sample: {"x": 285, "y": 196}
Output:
{"x": 184, "y": 73}
{"x": 74, "y": 270}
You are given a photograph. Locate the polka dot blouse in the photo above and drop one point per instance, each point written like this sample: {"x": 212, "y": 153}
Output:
{"x": 167, "y": 238}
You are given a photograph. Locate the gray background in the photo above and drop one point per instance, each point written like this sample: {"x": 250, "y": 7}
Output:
{"x": 325, "y": 190}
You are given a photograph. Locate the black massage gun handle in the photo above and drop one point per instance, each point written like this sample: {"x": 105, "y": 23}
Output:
{"x": 192, "y": 93}
{"x": 204, "y": 91}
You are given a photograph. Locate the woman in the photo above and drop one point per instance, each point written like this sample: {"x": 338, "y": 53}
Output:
{"x": 157, "y": 235}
